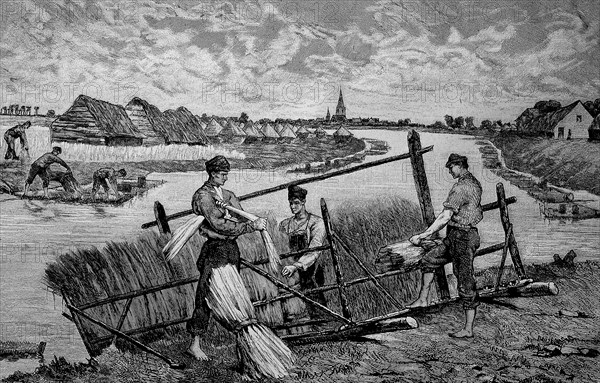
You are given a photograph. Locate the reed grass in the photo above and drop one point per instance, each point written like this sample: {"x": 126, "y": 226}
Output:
{"x": 89, "y": 274}
{"x": 40, "y": 142}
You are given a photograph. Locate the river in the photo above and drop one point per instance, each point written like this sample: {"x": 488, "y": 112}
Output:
{"x": 33, "y": 233}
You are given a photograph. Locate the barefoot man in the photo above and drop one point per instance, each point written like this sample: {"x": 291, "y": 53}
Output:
{"x": 40, "y": 168}
{"x": 462, "y": 211}
{"x": 220, "y": 248}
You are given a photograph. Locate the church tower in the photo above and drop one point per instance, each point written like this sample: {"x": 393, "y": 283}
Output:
{"x": 340, "y": 110}
{"x": 328, "y": 117}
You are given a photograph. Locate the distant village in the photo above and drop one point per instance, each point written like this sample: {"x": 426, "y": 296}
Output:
{"x": 140, "y": 123}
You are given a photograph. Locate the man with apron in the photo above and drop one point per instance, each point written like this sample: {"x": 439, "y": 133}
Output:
{"x": 304, "y": 230}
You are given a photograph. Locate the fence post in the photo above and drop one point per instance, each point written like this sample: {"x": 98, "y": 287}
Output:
{"x": 512, "y": 243}
{"x": 420, "y": 177}
{"x": 82, "y": 333}
{"x": 335, "y": 261}
{"x": 161, "y": 218}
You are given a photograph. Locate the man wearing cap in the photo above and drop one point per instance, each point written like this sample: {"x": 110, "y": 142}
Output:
{"x": 11, "y": 135}
{"x": 220, "y": 248}
{"x": 40, "y": 168}
{"x": 462, "y": 211}
{"x": 304, "y": 230}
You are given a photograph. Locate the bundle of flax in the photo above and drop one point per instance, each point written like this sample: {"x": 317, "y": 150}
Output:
{"x": 262, "y": 353}
{"x": 181, "y": 236}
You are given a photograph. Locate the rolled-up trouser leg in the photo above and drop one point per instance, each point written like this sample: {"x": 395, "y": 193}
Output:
{"x": 436, "y": 257}
{"x": 198, "y": 324}
{"x": 464, "y": 244}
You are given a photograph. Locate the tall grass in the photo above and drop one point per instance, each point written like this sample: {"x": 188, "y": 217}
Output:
{"x": 40, "y": 143}
{"x": 87, "y": 275}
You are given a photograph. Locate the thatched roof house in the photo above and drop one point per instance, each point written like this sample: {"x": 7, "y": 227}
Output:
{"x": 302, "y": 132}
{"x": 146, "y": 117}
{"x": 287, "y": 133}
{"x": 569, "y": 122}
{"x": 251, "y": 131}
{"x": 320, "y": 132}
{"x": 213, "y": 128}
{"x": 269, "y": 132}
{"x": 181, "y": 126}
{"x": 96, "y": 122}
{"x": 342, "y": 132}
{"x": 231, "y": 133}
{"x": 279, "y": 128}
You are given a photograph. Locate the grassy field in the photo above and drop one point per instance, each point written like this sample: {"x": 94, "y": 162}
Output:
{"x": 573, "y": 164}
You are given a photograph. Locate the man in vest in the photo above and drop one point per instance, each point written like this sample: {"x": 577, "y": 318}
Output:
{"x": 304, "y": 230}
{"x": 10, "y": 137}
{"x": 462, "y": 211}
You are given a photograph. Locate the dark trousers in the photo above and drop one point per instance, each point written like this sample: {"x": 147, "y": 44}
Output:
{"x": 458, "y": 247}
{"x": 11, "y": 154}
{"x": 215, "y": 253}
{"x": 36, "y": 170}
{"x": 312, "y": 278}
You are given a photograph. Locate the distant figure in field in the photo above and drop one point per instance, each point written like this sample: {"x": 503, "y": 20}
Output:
{"x": 10, "y": 137}
{"x": 305, "y": 230}
{"x": 107, "y": 178}
{"x": 462, "y": 211}
{"x": 40, "y": 168}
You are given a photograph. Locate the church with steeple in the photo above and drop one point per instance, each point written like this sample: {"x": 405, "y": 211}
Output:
{"x": 340, "y": 111}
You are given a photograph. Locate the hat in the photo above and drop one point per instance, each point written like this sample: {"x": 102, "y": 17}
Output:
{"x": 217, "y": 164}
{"x": 296, "y": 191}
{"x": 457, "y": 159}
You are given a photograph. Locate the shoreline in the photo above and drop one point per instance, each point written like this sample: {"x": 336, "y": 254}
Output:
{"x": 494, "y": 160}
{"x": 258, "y": 156}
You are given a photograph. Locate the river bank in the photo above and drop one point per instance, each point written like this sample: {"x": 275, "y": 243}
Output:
{"x": 573, "y": 164}
{"x": 260, "y": 156}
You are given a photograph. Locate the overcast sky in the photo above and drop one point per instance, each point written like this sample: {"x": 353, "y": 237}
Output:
{"x": 393, "y": 59}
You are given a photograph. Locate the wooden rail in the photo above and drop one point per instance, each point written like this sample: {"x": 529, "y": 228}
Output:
{"x": 351, "y": 327}
{"x": 165, "y": 218}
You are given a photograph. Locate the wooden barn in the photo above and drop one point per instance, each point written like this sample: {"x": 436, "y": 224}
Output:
{"x": 96, "y": 122}
{"x": 146, "y": 118}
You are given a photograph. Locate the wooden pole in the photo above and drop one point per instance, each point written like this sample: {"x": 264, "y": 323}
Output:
{"x": 161, "y": 218}
{"x": 142, "y": 346}
{"x": 302, "y": 181}
{"x": 346, "y": 248}
{"x": 296, "y": 293}
{"x": 420, "y": 177}
{"x": 503, "y": 260}
{"x": 512, "y": 243}
{"x": 335, "y": 261}
{"x": 122, "y": 318}
{"x": 84, "y": 335}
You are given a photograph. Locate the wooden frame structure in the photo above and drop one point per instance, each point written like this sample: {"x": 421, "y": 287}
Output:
{"x": 396, "y": 320}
